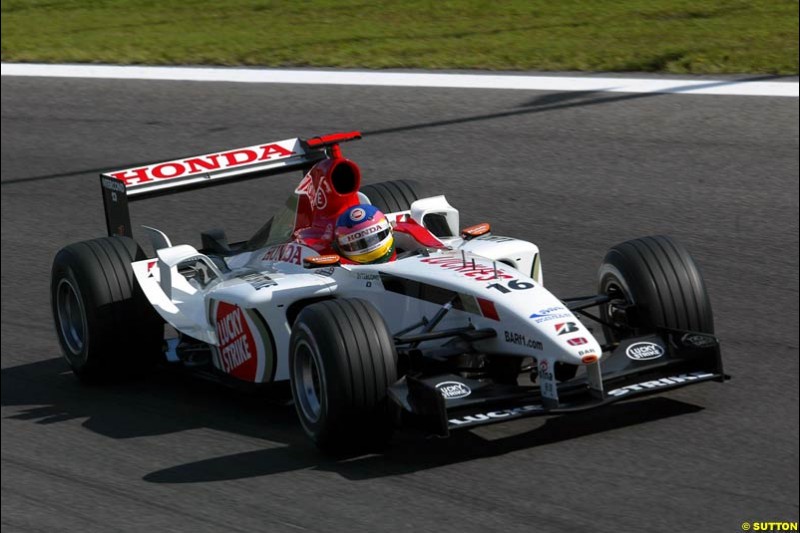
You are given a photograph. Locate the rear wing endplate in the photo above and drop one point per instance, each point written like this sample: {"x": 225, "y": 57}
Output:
{"x": 159, "y": 179}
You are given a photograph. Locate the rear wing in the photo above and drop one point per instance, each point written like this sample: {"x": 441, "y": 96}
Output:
{"x": 159, "y": 179}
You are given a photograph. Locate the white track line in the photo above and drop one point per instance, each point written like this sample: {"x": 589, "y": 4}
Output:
{"x": 410, "y": 79}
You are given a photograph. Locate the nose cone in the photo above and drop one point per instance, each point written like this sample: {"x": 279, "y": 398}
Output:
{"x": 569, "y": 340}
{"x": 582, "y": 347}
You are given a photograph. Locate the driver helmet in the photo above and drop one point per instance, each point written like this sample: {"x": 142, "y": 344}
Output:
{"x": 364, "y": 235}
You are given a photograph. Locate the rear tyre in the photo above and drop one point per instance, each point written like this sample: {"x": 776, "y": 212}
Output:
{"x": 398, "y": 195}
{"x": 393, "y": 196}
{"x": 106, "y": 327}
{"x": 342, "y": 362}
{"x": 653, "y": 282}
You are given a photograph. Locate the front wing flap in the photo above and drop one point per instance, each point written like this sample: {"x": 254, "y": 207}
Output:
{"x": 445, "y": 402}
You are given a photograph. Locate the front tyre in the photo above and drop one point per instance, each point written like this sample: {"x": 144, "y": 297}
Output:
{"x": 652, "y": 282}
{"x": 342, "y": 362}
{"x": 105, "y": 326}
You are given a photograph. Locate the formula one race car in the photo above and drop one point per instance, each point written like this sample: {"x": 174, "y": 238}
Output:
{"x": 450, "y": 328}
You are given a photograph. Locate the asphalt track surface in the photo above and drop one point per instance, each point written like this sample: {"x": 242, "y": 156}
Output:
{"x": 573, "y": 172}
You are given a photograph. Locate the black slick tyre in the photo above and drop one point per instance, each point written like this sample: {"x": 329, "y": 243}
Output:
{"x": 660, "y": 284}
{"x": 398, "y": 195}
{"x": 105, "y": 326}
{"x": 394, "y": 195}
{"x": 342, "y": 362}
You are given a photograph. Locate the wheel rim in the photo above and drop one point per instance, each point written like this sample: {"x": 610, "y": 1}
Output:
{"x": 619, "y": 292}
{"x": 71, "y": 317}
{"x": 308, "y": 384}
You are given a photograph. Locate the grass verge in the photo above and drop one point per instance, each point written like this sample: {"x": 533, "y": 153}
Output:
{"x": 677, "y": 36}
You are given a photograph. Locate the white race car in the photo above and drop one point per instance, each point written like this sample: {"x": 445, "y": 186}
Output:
{"x": 456, "y": 330}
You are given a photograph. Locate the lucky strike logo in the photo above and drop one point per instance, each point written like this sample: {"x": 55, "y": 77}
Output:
{"x": 478, "y": 272}
{"x": 452, "y": 390}
{"x": 642, "y": 351}
{"x": 698, "y": 340}
{"x": 201, "y": 164}
{"x": 237, "y": 347}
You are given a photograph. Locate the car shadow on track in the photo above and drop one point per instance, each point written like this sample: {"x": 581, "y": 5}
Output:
{"x": 408, "y": 453}
{"x": 46, "y": 393}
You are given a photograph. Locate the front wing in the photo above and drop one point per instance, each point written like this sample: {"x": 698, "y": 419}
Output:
{"x": 686, "y": 358}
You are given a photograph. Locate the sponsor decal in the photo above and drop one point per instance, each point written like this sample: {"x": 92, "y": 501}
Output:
{"x": 452, "y": 390}
{"x": 547, "y": 381}
{"x": 357, "y": 214}
{"x": 326, "y": 271}
{"x": 550, "y": 313}
{"x": 317, "y": 196}
{"x": 577, "y": 341}
{"x": 320, "y": 199}
{"x": 670, "y": 381}
{"x": 494, "y": 238}
{"x": 486, "y": 306}
{"x": 150, "y": 265}
{"x": 369, "y": 278}
{"x": 112, "y": 185}
{"x": 642, "y": 351}
{"x": 259, "y": 280}
{"x": 237, "y": 346}
{"x": 287, "y": 253}
{"x": 522, "y": 340}
{"x": 481, "y": 418}
{"x": 304, "y": 186}
{"x": 202, "y": 164}
{"x": 699, "y": 340}
{"x": 328, "y": 234}
{"x": 476, "y": 271}
{"x": 590, "y": 351}
{"x": 350, "y": 237}
{"x": 566, "y": 327}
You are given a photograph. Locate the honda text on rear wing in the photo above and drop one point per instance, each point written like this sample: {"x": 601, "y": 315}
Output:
{"x": 159, "y": 179}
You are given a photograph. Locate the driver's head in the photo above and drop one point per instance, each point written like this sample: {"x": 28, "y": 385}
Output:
{"x": 364, "y": 235}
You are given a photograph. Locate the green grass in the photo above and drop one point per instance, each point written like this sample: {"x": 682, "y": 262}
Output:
{"x": 679, "y": 36}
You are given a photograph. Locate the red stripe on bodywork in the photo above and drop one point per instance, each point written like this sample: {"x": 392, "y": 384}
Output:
{"x": 488, "y": 309}
{"x": 419, "y": 233}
